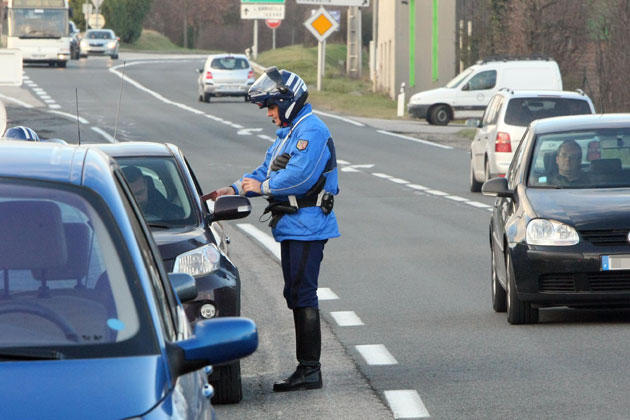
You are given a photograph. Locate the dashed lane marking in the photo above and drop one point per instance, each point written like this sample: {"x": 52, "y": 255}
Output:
{"x": 346, "y": 318}
{"x": 325, "y": 293}
{"x": 376, "y": 354}
{"x": 406, "y": 404}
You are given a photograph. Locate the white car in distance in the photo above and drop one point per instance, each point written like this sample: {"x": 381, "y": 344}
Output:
{"x": 225, "y": 75}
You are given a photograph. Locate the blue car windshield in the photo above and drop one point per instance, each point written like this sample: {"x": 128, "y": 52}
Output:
{"x": 65, "y": 281}
{"x": 597, "y": 158}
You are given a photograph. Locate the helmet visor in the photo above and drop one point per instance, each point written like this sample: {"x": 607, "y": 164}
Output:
{"x": 268, "y": 85}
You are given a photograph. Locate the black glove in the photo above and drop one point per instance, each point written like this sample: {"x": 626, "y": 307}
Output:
{"x": 280, "y": 162}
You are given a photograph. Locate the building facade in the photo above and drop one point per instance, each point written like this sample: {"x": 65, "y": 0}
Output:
{"x": 415, "y": 43}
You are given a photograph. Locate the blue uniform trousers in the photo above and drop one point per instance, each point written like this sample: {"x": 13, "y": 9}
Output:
{"x": 300, "y": 268}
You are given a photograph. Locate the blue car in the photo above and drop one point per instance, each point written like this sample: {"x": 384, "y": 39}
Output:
{"x": 91, "y": 326}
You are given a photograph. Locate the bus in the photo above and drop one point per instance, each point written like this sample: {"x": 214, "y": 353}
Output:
{"x": 40, "y": 29}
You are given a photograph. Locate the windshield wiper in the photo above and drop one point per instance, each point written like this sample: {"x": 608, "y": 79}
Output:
{"x": 30, "y": 354}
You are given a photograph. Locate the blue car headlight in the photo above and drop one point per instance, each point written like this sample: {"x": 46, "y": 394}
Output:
{"x": 200, "y": 261}
{"x": 550, "y": 233}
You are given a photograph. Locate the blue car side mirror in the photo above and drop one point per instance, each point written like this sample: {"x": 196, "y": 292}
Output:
{"x": 215, "y": 341}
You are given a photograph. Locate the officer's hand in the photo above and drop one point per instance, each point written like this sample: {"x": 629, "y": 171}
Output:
{"x": 280, "y": 162}
{"x": 251, "y": 185}
{"x": 218, "y": 193}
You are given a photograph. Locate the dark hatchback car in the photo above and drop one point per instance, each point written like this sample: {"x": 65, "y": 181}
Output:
{"x": 189, "y": 237}
{"x": 560, "y": 229}
{"x": 90, "y": 323}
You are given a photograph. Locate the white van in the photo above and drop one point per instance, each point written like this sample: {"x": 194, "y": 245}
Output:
{"x": 468, "y": 94}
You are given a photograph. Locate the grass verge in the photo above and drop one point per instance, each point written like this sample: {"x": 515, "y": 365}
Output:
{"x": 154, "y": 41}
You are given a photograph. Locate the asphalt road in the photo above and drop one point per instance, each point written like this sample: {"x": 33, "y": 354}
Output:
{"x": 410, "y": 272}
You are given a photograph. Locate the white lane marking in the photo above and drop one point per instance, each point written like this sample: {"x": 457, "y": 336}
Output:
{"x": 70, "y": 116}
{"x": 25, "y": 77}
{"x": 248, "y": 131}
{"x": 418, "y": 187}
{"x": 355, "y": 168}
{"x": 478, "y": 204}
{"x": 429, "y": 143}
{"x": 436, "y": 192}
{"x": 45, "y": 96}
{"x": 380, "y": 175}
{"x": 54, "y": 106}
{"x": 325, "y": 293}
{"x": 16, "y": 101}
{"x": 342, "y": 162}
{"x": 346, "y": 318}
{"x": 265, "y": 137}
{"x": 49, "y": 101}
{"x": 376, "y": 354}
{"x": 406, "y": 404}
{"x": 238, "y": 126}
{"x": 399, "y": 180}
{"x": 456, "y": 198}
{"x": 325, "y": 114}
{"x": 265, "y": 240}
{"x": 104, "y": 134}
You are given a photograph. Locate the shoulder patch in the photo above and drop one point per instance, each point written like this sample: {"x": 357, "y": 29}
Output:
{"x": 301, "y": 144}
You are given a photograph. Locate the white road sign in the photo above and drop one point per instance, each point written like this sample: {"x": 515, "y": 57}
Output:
{"x": 262, "y": 11}
{"x": 359, "y": 3}
{"x": 97, "y": 3}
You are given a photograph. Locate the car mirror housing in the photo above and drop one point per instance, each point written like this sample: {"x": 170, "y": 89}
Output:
{"x": 184, "y": 285}
{"x": 215, "y": 341}
{"x": 229, "y": 207}
{"x": 496, "y": 187}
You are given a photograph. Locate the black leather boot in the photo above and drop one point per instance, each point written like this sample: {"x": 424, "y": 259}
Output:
{"x": 308, "y": 344}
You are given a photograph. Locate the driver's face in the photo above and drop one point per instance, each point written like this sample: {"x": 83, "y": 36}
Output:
{"x": 139, "y": 189}
{"x": 569, "y": 160}
{"x": 274, "y": 114}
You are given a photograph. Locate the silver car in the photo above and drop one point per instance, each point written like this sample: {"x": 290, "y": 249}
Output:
{"x": 225, "y": 75}
{"x": 100, "y": 42}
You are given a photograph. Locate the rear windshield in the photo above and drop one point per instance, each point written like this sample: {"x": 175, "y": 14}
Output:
{"x": 100, "y": 35}
{"x": 522, "y": 111}
{"x": 229, "y": 63}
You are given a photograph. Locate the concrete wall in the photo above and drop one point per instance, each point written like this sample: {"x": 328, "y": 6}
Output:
{"x": 393, "y": 54}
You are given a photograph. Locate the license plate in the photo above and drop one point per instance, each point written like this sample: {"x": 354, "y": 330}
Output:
{"x": 615, "y": 262}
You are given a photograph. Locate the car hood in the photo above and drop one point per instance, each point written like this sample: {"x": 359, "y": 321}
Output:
{"x": 585, "y": 209}
{"x": 111, "y": 388}
{"x": 173, "y": 242}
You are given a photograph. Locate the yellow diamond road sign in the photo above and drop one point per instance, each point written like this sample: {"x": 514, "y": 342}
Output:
{"x": 321, "y": 24}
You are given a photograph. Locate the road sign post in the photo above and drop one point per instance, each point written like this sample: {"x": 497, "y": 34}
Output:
{"x": 321, "y": 24}
{"x": 261, "y": 9}
{"x": 273, "y": 24}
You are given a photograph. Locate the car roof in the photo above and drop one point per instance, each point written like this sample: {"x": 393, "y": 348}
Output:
{"x": 543, "y": 94}
{"x": 227, "y": 55}
{"x": 136, "y": 148}
{"x": 580, "y": 122}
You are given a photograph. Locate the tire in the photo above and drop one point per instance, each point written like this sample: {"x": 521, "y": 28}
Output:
{"x": 518, "y": 312}
{"x": 440, "y": 115}
{"x": 499, "y": 297}
{"x": 115, "y": 57}
{"x": 206, "y": 97}
{"x": 475, "y": 186}
{"x": 200, "y": 98}
{"x": 61, "y": 64}
{"x": 226, "y": 381}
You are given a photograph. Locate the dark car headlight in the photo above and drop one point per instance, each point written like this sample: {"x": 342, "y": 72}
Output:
{"x": 550, "y": 233}
{"x": 199, "y": 261}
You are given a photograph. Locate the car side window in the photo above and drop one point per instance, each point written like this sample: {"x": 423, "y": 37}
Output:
{"x": 494, "y": 115}
{"x": 164, "y": 297}
{"x": 515, "y": 169}
{"x": 487, "y": 115}
{"x": 483, "y": 80}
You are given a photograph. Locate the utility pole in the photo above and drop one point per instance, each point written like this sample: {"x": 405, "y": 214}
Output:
{"x": 374, "y": 44}
{"x": 353, "y": 60}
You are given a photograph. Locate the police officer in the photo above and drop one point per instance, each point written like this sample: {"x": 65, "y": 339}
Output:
{"x": 299, "y": 179}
